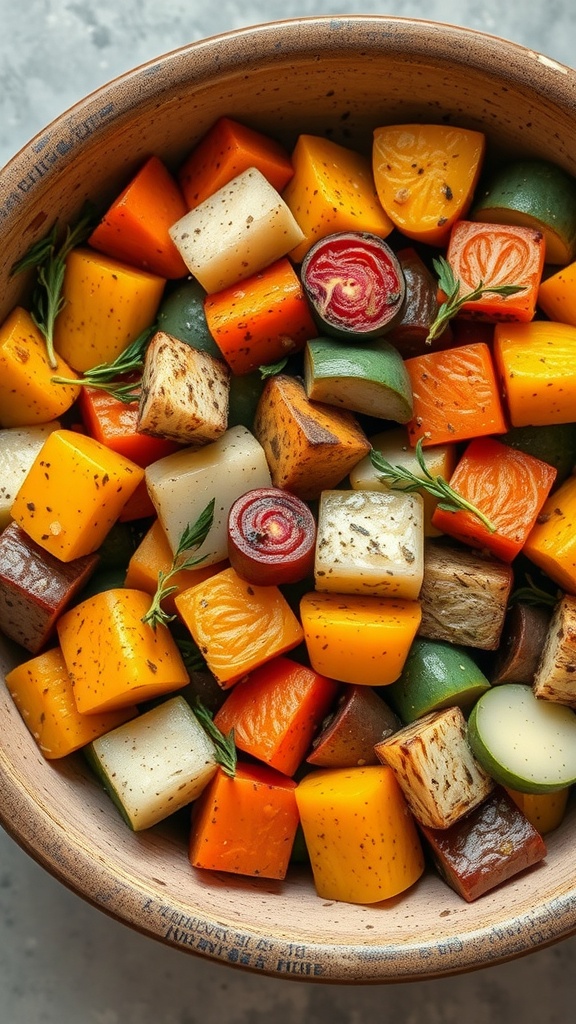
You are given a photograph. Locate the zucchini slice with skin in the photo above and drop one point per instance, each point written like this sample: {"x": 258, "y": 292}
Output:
{"x": 523, "y": 742}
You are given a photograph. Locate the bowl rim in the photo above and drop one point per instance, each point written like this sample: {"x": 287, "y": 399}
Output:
{"x": 33, "y": 827}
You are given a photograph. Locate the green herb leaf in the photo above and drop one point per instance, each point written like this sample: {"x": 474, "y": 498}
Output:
{"x": 192, "y": 656}
{"x": 271, "y": 369}
{"x": 49, "y": 261}
{"x": 193, "y": 536}
{"x": 534, "y": 595}
{"x": 401, "y": 479}
{"x": 105, "y": 376}
{"x": 226, "y": 754}
{"x": 454, "y": 301}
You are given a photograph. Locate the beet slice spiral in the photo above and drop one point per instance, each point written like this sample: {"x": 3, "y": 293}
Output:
{"x": 354, "y": 283}
{"x": 271, "y": 537}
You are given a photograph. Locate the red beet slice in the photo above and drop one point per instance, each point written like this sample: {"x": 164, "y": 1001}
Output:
{"x": 271, "y": 537}
{"x": 354, "y": 283}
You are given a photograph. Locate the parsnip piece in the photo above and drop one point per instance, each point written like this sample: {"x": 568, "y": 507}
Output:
{"x": 369, "y": 542}
{"x": 239, "y": 230}
{"x": 435, "y": 768}
{"x": 555, "y": 677}
{"x": 156, "y": 764}
{"x": 182, "y": 484}
{"x": 184, "y": 394}
{"x": 464, "y": 596}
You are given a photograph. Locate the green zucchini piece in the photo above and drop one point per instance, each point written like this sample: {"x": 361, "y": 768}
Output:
{"x": 367, "y": 377}
{"x": 533, "y": 193}
{"x": 524, "y": 743}
{"x": 181, "y": 314}
{"x": 436, "y": 675}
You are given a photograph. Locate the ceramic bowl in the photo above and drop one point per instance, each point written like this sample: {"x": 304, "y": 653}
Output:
{"x": 340, "y": 76}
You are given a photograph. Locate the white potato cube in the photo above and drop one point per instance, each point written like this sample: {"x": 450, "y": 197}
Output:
{"x": 370, "y": 542}
{"x": 181, "y": 486}
{"x": 155, "y": 764}
{"x": 19, "y": 447}
{"x": 237, "y": 231}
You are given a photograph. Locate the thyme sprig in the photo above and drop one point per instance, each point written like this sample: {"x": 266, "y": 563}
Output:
{"x": 193, "y": 536}
{"x": 108, "y": 376}
{"x": 401, "y": 478}
{"x": 271, "y": 369}
{"x": 454, "y": 301}
{"x": 534, "y": 595}
{"x": 48, "y": 259}
{"x": 225, "y": 747}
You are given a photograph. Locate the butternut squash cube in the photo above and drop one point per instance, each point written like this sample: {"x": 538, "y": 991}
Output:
{"x": 113, "y": 658}
{"x": 43, "y": 692}
{"x": 19, "y": 446}
{"x": 27, "y": 393}
{"x": 332, "y": 189}
{"x": 237, "y": 625}
{"x": 107, "y": 305}
{"x": 536, "y": 363}
{"x": 310, "y": 447}
{"x": 358, "y": 639}
{"x": 361, "y": 839}
{"x": 370, "y": 542}
{"x": 551, "y": 543}
{"x": 73, "y": 494}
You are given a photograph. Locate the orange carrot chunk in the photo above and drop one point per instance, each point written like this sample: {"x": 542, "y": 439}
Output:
{"x": 262, "y": 321}
{"x": 135, "y": 227}
{"x": 245, "y": 824}
{"x": 508, "y": 486}
{"x": 497, "y": 255}
{"x": 114, "y": 423}
{"x": 275, "y": 712}
{"x": 456, "y": 395}
{"x": 228, "y": 149}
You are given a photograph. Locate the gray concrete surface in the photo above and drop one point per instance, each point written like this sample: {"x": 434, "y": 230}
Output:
{"x": 62, "y": 961}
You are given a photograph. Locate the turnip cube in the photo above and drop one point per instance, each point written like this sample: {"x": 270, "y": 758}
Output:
{"x": 370, "y": 542}
{"x": 239, "y": 230}
{"x": 156, "y": 764}
{"x": 182, "y": 484}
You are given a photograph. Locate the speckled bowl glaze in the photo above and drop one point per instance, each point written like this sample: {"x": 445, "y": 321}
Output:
{"x": 340, "y": 76}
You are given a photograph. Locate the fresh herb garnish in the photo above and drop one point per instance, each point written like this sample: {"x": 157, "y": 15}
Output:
{"x": 48, "y": 259}
{"x": 193, "y": 536}
{"x": 402, "y": 479}
{"x": 454, "y": 301}
{"x": 271, "y": 369}
{"x": 225, "y": 747}
{"x": 534, "y": 595}
{"x": 106, "y": 376}
{"x": 192, "y": 656}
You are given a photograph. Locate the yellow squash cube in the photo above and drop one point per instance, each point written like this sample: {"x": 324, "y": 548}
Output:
{"x": 27, "y": 394}
{"x": 73, "y": 494}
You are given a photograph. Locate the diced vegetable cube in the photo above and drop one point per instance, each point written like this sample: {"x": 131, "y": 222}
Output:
{"x": 358, "y": 639}
{"x": 362, "y": 842}
{"x": 27, "y": 394}
{"x": 73, "y": 494}
{"x": 44, "y": 695}
{"x": 238, "y": 625}
{"x": 156, "y": 764}
{"x": 370, "y": 542}
{"x": 113, "y": 658}
{"x": 182, "y": 484}
{"x": 438, "y": 774}
{"x": 240, "y": 229}
{"x": 19, "y": 447}
{"x": 555, "y": 676}
{"x": 184, "y": 393}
